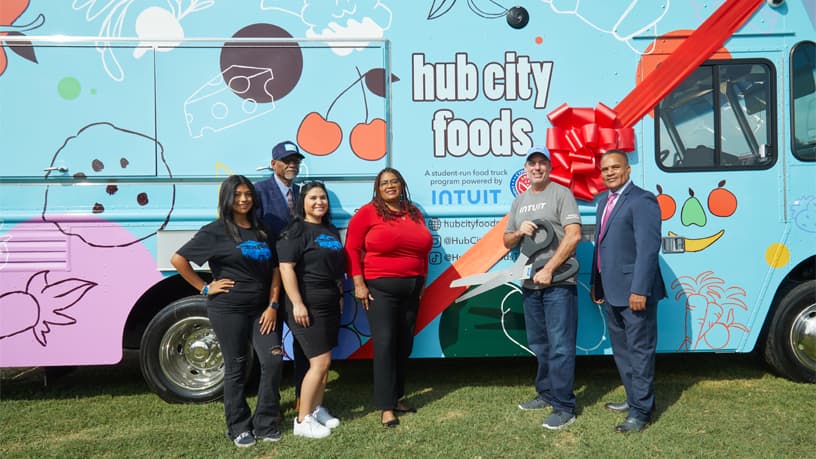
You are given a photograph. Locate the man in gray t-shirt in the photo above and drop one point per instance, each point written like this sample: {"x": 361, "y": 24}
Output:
{"x": 550, "y": 310}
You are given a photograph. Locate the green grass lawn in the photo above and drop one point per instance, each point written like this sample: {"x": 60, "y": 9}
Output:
{"x": 708, "y": 406}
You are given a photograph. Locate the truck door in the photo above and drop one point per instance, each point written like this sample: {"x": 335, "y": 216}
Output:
{"x": 714, "y": 167}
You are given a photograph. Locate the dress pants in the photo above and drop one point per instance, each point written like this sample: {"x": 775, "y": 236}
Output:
{"x": 392, "y": 317}
{"x": 633, "y": 335}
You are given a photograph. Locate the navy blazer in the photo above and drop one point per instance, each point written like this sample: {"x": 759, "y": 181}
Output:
{"x": 630, "y": 248}
{"x": 273, "y": 210}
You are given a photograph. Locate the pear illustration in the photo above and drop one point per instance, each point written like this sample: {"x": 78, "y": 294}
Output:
{"x": 692, "y": 212}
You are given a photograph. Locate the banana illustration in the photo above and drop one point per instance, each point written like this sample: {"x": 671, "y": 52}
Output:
{"x": 696, "y": 245}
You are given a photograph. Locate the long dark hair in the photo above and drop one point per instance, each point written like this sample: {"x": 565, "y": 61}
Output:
{"x": 226, "y": 198}
{"x": 295, "y": 227}
{"x": 405, "y": 203}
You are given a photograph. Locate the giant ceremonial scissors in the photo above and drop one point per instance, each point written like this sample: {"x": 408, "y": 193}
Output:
{"x": 542, "y": 239}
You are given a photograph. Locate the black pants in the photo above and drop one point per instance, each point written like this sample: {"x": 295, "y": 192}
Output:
{"x": 392, "y": 318}
{"x": 235, "y": 330}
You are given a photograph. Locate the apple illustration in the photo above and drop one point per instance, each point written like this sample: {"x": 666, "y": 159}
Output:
{"x": 319, "y": 136}
{"x": 368, "y": 139}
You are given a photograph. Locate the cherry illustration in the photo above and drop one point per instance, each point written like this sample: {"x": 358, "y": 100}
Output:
{"x": 320, "y": 136}
{"x": 722, "y": 202}
{"x": 368, "y": 139}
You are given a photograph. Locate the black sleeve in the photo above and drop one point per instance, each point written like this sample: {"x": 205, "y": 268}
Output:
{"x": 290, "y": 248}
{"x": 199, "y": 249}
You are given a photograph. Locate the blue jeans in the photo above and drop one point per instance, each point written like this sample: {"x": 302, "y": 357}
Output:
{"x": 551, "y": 320}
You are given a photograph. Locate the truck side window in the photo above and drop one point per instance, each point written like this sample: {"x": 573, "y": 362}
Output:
{"x": 720, "y": 117}
{"x": 803, "y": 100}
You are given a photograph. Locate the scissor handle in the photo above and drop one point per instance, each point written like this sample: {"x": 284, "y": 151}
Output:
{"x": 529, "y": 246}
{"x": 561, "y": 273}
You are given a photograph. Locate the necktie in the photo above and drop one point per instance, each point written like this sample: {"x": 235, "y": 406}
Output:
{"x": 289, "y": 201}
{"x": 610, "y": 203}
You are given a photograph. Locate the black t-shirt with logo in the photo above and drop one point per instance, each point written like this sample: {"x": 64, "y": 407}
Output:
{"x": 317, "y": 253}
{"x": 249, "y": 263}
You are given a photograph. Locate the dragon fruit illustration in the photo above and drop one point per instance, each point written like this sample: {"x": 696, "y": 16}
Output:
{"x": 40, "y": 306}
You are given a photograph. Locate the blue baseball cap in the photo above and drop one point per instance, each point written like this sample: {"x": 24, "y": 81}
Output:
{"x": 538, "y": 150}
{"x": 285, "y": 150}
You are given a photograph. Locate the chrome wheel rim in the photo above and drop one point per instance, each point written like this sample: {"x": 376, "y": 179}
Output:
{"x": 803, "y": 337}
{"x": 190, "y": 356}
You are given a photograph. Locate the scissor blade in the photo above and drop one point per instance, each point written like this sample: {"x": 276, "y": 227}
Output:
{"x": 495, "y": 281}
{"x": 472, "y": 279}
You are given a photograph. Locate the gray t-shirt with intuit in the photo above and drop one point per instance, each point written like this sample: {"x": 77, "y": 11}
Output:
{"x": 556, "y": 204}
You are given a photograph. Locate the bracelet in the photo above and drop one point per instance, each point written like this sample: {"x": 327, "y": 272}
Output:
{"x": 274, "y": 305}
{"x": 206, "y": 290}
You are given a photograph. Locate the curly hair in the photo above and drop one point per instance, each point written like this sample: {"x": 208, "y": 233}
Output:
{"x": 405, "y": 203}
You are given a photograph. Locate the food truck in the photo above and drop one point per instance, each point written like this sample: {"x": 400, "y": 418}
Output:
{"x": 120, "y": 118}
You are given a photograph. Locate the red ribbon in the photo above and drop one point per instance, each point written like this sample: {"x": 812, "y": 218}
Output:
{"x": 577, "y": 140}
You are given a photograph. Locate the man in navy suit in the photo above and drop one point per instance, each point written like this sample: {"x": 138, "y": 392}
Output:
{"x": 274, "y": 192}
{"x": 626, "y": 279}
{"x": 277, "y": 195}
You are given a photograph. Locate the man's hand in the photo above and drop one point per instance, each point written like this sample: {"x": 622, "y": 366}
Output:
{"x": 543, "y": 277}
{"x": 527, "y": 228}
{"x": 637, "y": 302}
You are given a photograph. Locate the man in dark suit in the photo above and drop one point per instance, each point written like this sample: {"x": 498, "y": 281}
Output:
{"x": 279, "y": 192}
{"x": 277, "y": 195}
{"x": 626, "y": 279}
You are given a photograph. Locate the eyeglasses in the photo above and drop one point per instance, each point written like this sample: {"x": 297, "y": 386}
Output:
{"x": 393, "y": 181}
{"x": 290, "y": 161}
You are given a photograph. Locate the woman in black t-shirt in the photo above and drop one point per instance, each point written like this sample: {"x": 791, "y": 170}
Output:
{"x": 242, "y": 303}
{"x": 312, "y": 263}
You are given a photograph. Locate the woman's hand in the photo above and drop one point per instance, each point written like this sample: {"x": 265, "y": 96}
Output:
{"x": 269, "y": 320}
{"x": 301, "y": 315}
{"x": 220, "y": 286}
{"x": 362, "y": 294}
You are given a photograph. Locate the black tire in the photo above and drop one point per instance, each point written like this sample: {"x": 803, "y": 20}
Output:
{"x": 790, "y": 347}
{"x": 180, "y": 357}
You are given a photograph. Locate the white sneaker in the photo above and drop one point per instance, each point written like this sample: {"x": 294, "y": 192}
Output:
{"x": 324, "y": 417}
{"x": 310, "y": 428}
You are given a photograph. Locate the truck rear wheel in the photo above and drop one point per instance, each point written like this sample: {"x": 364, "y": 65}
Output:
{"x": 180, "y": 356}
{"x": 791, "y": 344}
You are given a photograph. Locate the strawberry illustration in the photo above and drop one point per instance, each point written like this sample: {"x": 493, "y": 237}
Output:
{"x": 40, "y": 306}
{"x": 10, "y": 11}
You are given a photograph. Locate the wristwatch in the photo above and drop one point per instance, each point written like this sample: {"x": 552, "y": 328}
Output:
{"x": 274, "y": 305}
{"x": 206, "y": 290}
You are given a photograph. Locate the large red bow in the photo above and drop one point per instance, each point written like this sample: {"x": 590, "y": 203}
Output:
{"x": 577, "y": 140}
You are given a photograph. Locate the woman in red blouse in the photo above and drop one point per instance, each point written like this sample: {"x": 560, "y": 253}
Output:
{"x": 388, "y": 244}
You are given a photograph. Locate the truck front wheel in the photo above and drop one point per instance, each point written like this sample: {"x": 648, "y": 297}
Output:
{"x": 180, "y": 356}
{"x": 791, "y": 344}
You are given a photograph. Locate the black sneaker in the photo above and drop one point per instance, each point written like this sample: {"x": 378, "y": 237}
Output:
{"x": 272, "y": 436}
{"x": 537, "y": 403}
{"x": 244, "y": 440}
{"x": 558, "y": 420}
